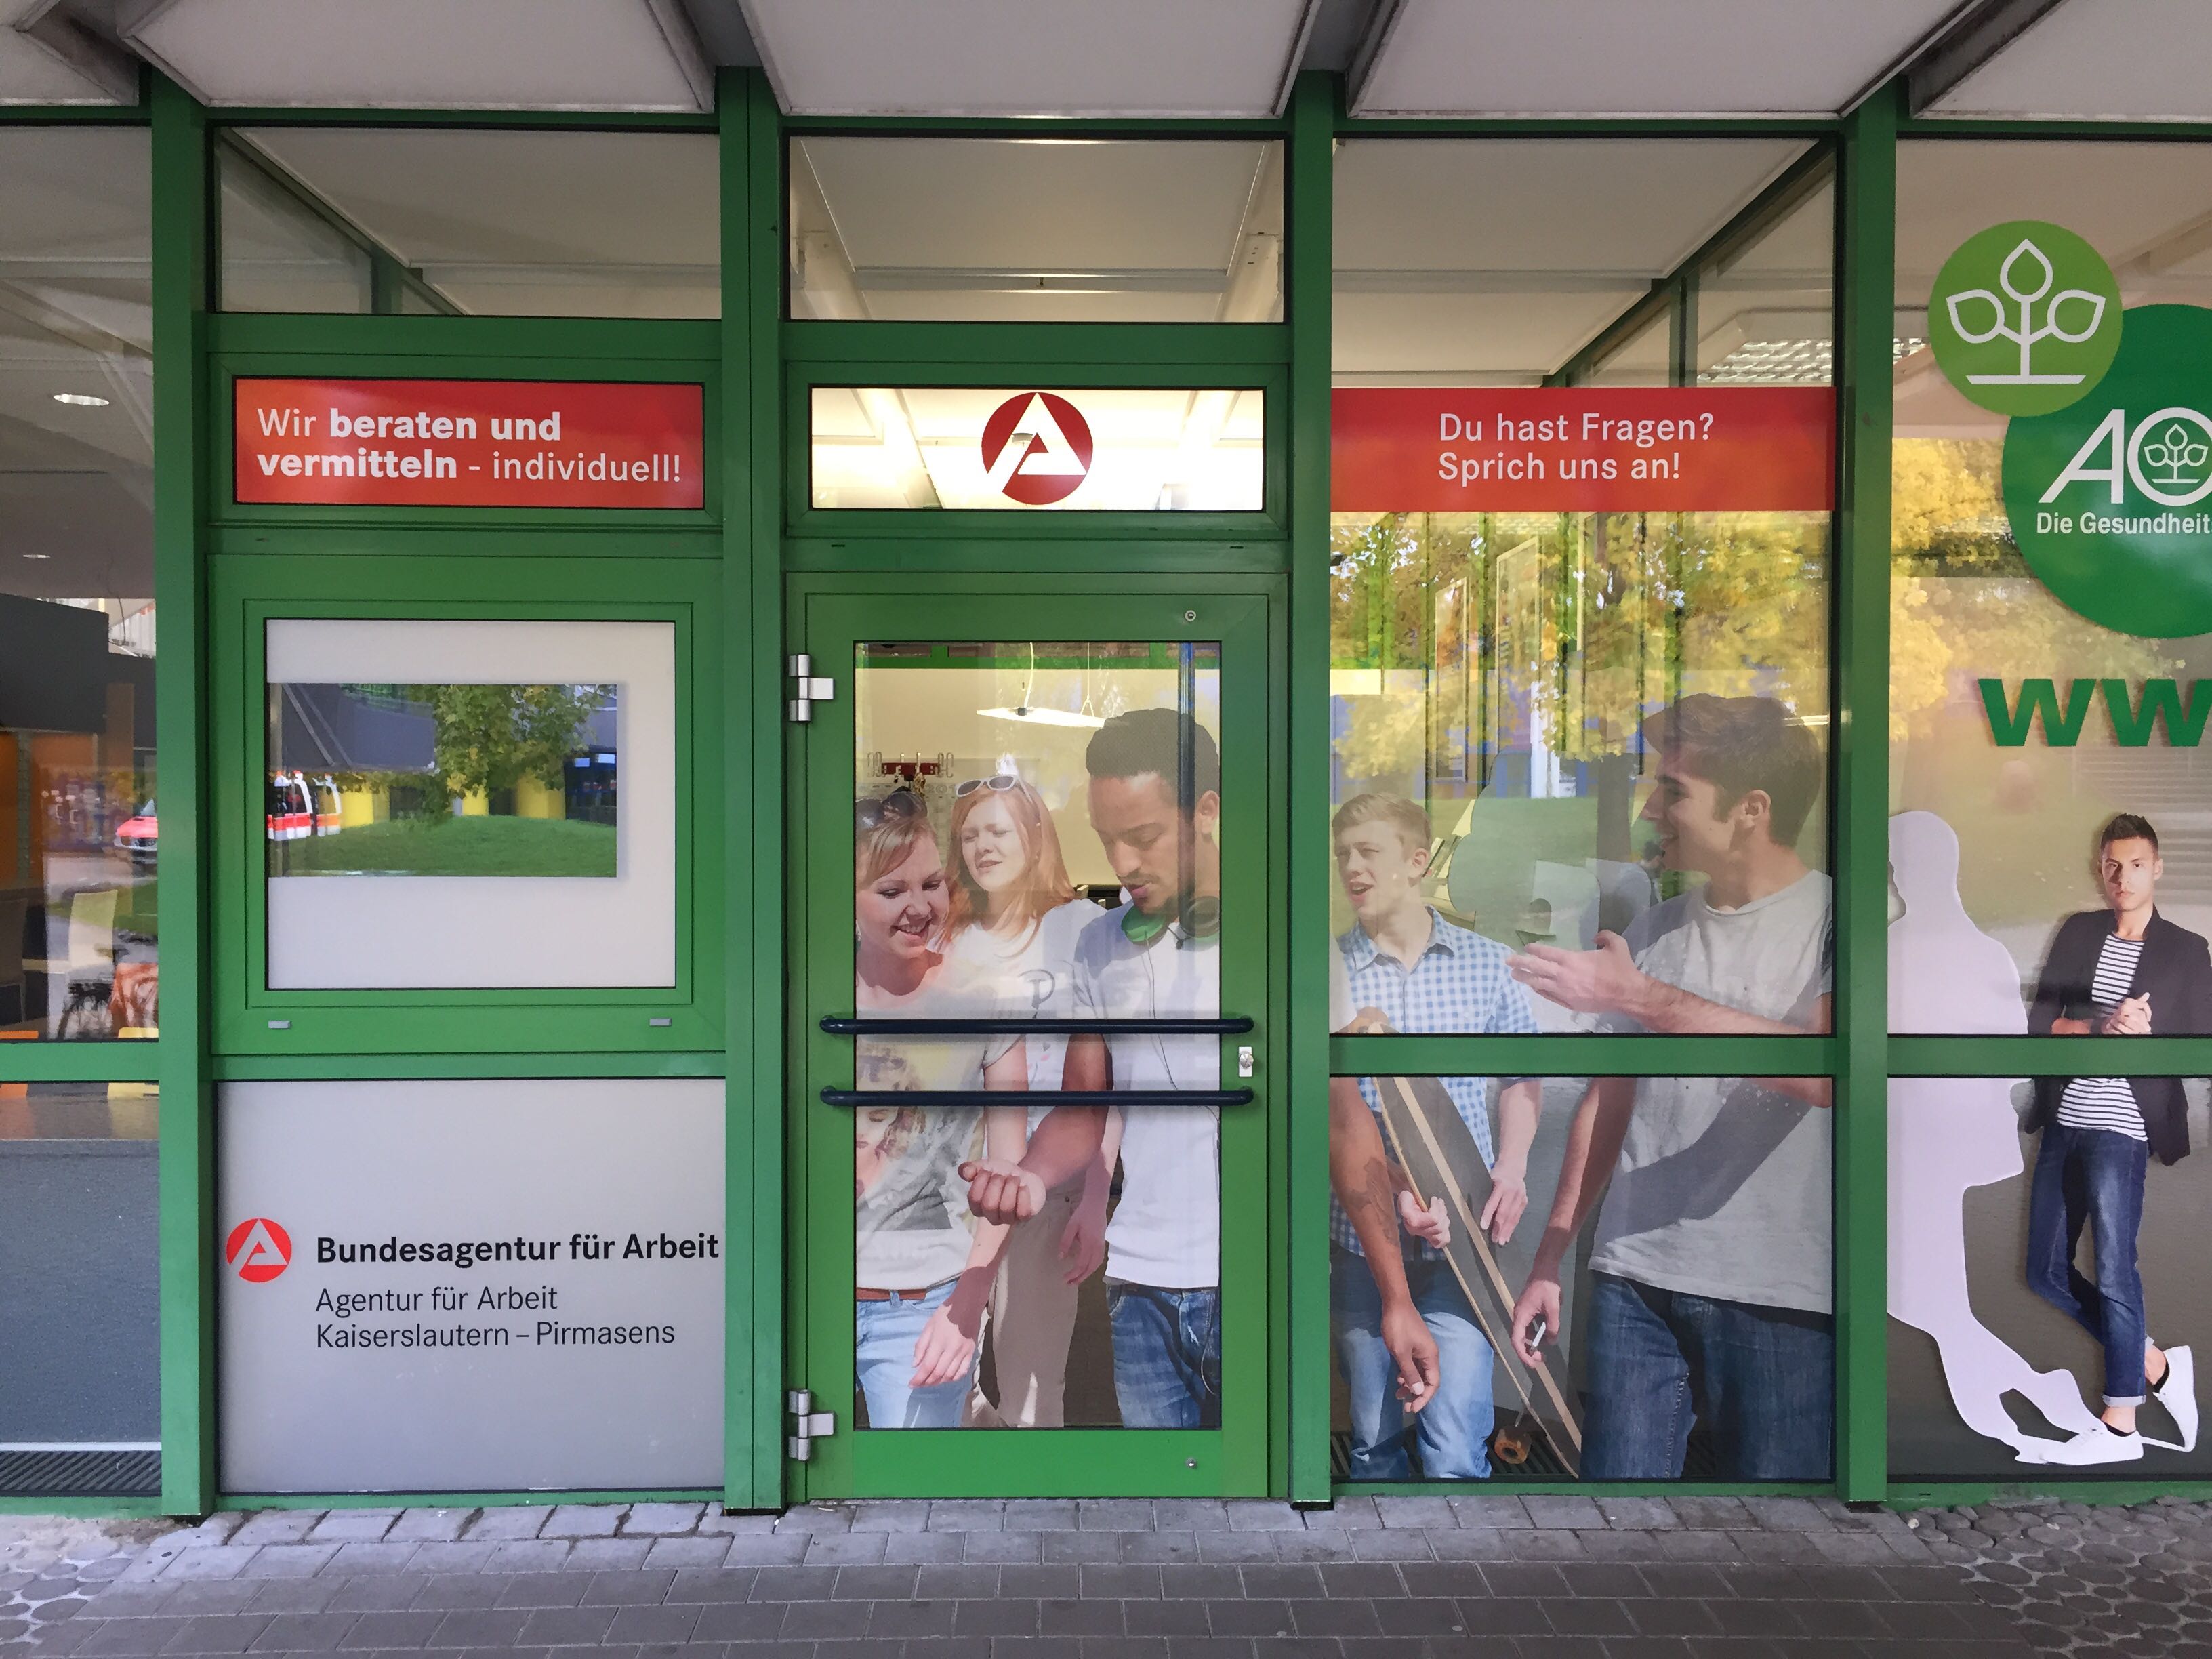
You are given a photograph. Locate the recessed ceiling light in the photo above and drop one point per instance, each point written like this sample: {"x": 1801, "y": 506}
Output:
{"x": 37, "y": 556}
{"x": 80, "y": 400}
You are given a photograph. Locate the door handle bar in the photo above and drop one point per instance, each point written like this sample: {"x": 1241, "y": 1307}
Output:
{"x": 841, "y": 1026}
{"x": 1026, "y": 1097}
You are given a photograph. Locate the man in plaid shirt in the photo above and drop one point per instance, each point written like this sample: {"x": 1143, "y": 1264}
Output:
{"x": 1410, "y": 970}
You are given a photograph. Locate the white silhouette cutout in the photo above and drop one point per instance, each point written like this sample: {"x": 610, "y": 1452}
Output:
{"x": 2028, "y": 333}
{"x": 1948, "y": 978}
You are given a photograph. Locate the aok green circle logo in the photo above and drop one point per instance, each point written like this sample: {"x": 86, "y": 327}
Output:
{"x": 2025, "y": 318}
{"x": 2110, "y": 497}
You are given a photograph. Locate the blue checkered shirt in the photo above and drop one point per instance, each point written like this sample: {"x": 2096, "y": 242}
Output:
{"x": 1459, "y": 987}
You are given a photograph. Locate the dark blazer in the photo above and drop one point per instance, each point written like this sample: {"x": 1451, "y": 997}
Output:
{"x": 2174, "y": 970}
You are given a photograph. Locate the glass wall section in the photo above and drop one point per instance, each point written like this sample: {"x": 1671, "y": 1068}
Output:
{"x": 2046, "y": 1280}
{"x": 1579, "y": 665}
{"x": 1059, "y": 230}
{"x": 1765, "y": 298}
{"x": 79, "y": 928}
{"x": 2050, "y": 614}
{"x": 1604, "y": 1279}
{"x": 485, "y": 222}
{"x": 1093, "y": 449}
{"x": 80, "y": 1371}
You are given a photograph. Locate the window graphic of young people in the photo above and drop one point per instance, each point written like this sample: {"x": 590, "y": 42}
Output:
{"x": 923, "y": 1265}
{"x": 1156, "y": 956}
{"x": 1411, "y": 971}
{"x": 2124, "y": 970}
{"x": 1710, "y": 1280}
{"x": 1014, "y": 920}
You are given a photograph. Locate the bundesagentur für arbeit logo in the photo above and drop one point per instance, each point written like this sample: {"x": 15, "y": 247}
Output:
{"x": 257, "y": 1249}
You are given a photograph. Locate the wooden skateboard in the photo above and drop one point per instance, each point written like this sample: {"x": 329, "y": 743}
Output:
{"x": 1437, "y": 1152}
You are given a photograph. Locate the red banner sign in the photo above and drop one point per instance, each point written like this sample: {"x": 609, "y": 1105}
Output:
{"x": 470, "y": 443}
{"x": 1561, "y": 449}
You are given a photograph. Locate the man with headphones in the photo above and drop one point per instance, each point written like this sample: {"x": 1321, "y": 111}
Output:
{"x": 1155, "y": 801}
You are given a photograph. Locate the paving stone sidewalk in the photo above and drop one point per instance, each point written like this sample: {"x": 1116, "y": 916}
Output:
{"x": 1459, "y": 1577}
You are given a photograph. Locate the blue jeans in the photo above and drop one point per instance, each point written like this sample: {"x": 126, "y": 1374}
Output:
{"x": 2093, "y": 1178}
{"x": 1454, "y": 1428}
{"x": 1167, "y": 1356}
{"x": 1761, "y": 1380}
{"x": 883, "y": 1335}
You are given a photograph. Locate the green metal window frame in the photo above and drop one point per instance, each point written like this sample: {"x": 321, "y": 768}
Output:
{"x": 731, "y": 560}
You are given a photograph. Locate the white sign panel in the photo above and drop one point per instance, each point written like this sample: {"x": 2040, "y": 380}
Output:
{"x": 471, "y": 1285}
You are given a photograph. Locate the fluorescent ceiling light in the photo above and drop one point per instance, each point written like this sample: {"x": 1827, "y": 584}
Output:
{"x": 80, "y": 399}
{"x": 1043, "y": 716}
{"x": 625, "y": 55}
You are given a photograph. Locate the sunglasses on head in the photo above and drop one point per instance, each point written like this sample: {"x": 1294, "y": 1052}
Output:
{"x": 1003, "y": 780}
{"x": 899, "y": 804}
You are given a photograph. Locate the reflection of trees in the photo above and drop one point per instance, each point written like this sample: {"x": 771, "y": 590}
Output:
{"x": 489, "y": 738}
{"x": 1621, "y": 613}
{"x": 1963, "y": 605}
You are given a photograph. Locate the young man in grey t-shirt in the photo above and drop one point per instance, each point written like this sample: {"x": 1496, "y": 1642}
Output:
{"x": 1710, "y": 1294}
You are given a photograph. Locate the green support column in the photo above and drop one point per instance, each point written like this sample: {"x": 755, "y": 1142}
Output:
{"x": 751, "y": 185}
{"x": 181, "y": 253}
{"x": 1312, "y": 145}
{"x": 1867, "y": 244}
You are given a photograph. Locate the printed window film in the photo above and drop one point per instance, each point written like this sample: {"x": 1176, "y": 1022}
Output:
{"x": 79, "y": 1325}
{"x": 2050, "y": 609}
{"x": 2047, "y": 1291}
{"x": 1657, "y": 1305}
{"x": 468, "y": 803}
{"x": 1582, "y": 483}
{"x": 80, "y": 829}
{"x": 1036, "y": 834}
{"x": 442, "y": 780}
{"x": 968, "y": 448}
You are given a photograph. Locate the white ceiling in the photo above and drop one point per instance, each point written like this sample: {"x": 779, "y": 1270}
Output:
{"x": 1030, "y": 57}
{"x": 2093, "y": 59}
{"x": 2099, "y": 60}
{"x": 1497, "y": 263}
{"x": 429, "y": 54}
{"x": 1633, "y": 57}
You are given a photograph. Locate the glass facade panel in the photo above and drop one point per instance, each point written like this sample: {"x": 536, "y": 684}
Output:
{"x": 494, "y": 222}
{"x": 80, "y": 1326}
{"x": 2046, "y": 1278}
{"x": 1593, "y": 706}
{"x": 440, "y": 806}
{"x": 1570, "y": 1303}
{"x": 1094, "y": 450}
{"x": 79, "y": 932}
{"x": 1765, "y": 302}
{"x": 1036, "y": 836}
{"x": 2044, "y": 687}
{"x": 1059, "y": 230}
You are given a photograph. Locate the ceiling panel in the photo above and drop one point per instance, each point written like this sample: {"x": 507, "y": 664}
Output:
{"x": 46, "y": 56}
{"x": 423, "y": 54}
{"x": 2119, "y": 60}
{"x": 1633, "y": 57}
{"x": 1134, "y": 57}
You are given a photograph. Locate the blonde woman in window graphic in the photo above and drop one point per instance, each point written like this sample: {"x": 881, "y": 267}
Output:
{"x": 923, "y": 1264}
{"x": 1014, "y": 920}
{"x": 1947, "y": 1135}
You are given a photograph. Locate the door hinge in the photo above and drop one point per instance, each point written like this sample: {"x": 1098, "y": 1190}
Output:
{"x": 807, "y": 1425}
{"x": 807, "y": 688}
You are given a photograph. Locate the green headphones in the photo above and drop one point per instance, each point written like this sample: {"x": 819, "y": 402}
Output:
{"x": 1202, "y": 923}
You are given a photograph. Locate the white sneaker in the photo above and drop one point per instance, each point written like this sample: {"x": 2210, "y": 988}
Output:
{"x": 2176, "y": 1392}
{"x": 2101, "y": 1445}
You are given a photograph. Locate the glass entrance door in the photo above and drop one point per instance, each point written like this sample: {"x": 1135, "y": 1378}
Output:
{"x": 1035, "y": 838}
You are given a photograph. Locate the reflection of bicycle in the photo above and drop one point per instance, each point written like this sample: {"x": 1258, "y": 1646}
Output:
{"x": 2027, "y": 335}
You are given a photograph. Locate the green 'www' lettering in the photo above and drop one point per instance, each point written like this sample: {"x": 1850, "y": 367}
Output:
{"x": 2160, "y": 706}
{"x": 2037, "y": 698}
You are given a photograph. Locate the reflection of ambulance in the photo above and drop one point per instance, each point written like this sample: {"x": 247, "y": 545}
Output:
{"x": 298, "y": 810}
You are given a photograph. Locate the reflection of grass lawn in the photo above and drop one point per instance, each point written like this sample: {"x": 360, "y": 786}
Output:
{"x": 455, "y": 847}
